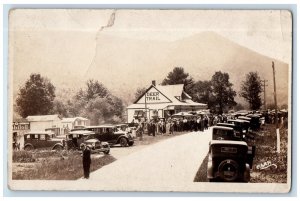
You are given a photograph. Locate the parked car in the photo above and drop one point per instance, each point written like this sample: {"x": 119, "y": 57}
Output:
{"x": 227, "y": 133}
{"x": 75, "y": 138}
{"x": 237, "y": 132}
{"x": 123, "y": 127}
{"x": 42, "y": 139}
{"x": 112, "y": 135}
{"x": 255, "y": 121}
{"x": 223, "y": 133}
{"x": 241, "y": 125}
{"x": 228, "y": 161}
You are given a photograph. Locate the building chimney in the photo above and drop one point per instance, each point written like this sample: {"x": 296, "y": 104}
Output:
{"x": 153, "y": 83}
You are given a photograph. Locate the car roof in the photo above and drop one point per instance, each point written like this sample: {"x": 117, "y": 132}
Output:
{"x": 228, "y": 142}
{"x": 82, "y": 132}
{"x": 222, "y": 127}
{"x": 243, "y": 117}
{"x": 228, "y": 124}
{"x": 102, "y": 126}
{"x": 238, "y": 120}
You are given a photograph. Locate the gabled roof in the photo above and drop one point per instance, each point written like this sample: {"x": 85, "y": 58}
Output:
{"x": 174, "y": 93}
{"x": 20, "y": 120}
{"x": 152, "y": 86}
{"x": 43, "y": 118}
{"x": 171, "y": 91}
{"x": 72, "y": 119}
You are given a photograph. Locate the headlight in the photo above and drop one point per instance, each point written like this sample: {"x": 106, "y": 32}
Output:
{"x": 244, "y": 131}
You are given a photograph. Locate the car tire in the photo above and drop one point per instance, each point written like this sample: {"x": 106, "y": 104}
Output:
{"x": 28, "y": 148}
{"x": 123, "y": 142}
{"x": 232, "y": 166}
{"x": 58, "y": 148}
{"x": 130, "y": 143}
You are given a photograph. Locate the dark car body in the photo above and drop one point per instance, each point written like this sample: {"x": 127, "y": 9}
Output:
{"x": 255, "y": 121}
{"x": 237, "y": 132}
{"x": 228, "y": 161}
{"x": 228, "y": 134}
{"x": 112, "y": 135}
{"x": 223, "y": 133}
{"x": 241, "y": 125}
{"x": 43, "y": 140}
{"x": 75, "y": 138}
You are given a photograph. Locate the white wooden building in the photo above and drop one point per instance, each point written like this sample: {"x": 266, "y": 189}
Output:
{"x": 162, "y": 101}
{"x": 75, "y": 122}
{"x": 45, "y": 122}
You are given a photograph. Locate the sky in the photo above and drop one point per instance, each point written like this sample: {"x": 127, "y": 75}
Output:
{"x": 69, "y": 38}
{"x": 267, "y": 32}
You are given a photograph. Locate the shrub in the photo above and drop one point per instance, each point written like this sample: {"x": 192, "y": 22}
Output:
{"x": 22, "y": 157}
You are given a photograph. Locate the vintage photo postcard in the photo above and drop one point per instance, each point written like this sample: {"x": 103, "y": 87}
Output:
{"x": 150, "y": 100}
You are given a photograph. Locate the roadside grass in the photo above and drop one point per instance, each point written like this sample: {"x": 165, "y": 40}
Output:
{"x": 55, "y": 165}
{"x": 22, "y": 157}
{"x": 265, "y": 141}
{"x": 266, "y": 151}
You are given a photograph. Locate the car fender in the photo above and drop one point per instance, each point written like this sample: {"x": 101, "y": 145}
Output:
{"x": 28, "y": 144}
{"x": 105, "y": 143}
{"x": 57, "y": 144}
{"x": 247, "y": 173}
{"x": 122, "y": 136}
{"x": 210, "y": 172}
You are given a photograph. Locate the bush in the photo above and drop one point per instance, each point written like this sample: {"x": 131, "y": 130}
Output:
{"x": 22, "y": 157}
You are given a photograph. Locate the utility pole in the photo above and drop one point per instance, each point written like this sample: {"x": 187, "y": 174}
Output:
{"x": 276, "y": 114}
{"x": 264, "y": 85}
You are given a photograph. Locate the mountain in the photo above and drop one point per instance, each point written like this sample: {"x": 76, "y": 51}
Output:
{"x": 69, "y": 58}
{"x": 125, "y": 64}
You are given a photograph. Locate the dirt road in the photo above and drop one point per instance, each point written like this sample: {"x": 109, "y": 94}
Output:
{"x": 159, "y": 166}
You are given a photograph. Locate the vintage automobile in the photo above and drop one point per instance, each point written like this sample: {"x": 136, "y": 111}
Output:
{"x": 227, "y": 133}
{"x": 255, "y": 121}
{"x": 237, "y": 132}
{"x": 42, "y": 139}
{"x": 75, "y": 138}
{"x": 112, "y": 135}
{"x": 228, "y": 161}
{"x": 224, "y": 133}
{"x": 241, "y": 125}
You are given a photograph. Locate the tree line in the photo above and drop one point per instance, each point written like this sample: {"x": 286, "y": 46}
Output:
{"x": 95, "y": 102}
{"x": 217, "y": 92}
{"x": 37, "y": 96}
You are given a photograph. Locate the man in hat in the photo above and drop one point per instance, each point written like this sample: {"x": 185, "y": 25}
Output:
{"x": 86, "y": 160}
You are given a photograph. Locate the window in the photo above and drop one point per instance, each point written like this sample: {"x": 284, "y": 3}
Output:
{"x": 42, "y": 137}
{"x": 36, "y": 136}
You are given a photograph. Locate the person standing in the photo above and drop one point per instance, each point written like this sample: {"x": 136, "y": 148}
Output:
{"x": 172, "y": 127}
{"x": 86, "y": 160}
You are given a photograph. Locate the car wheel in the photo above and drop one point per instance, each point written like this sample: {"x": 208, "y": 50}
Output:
{"x": 228, "y": 170}
{"x": 58, "y": 148}
{"x": 130, "y": 143}
{"x": 123, "y": 142}
{"x": 28, "y": 148}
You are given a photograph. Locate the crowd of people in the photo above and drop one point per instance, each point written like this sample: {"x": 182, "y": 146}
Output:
{"x": 185, "y": 124}
{"x": 161, "y": 126}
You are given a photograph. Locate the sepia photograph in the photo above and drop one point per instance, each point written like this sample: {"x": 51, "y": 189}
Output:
{"x": 150, "y": 100}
